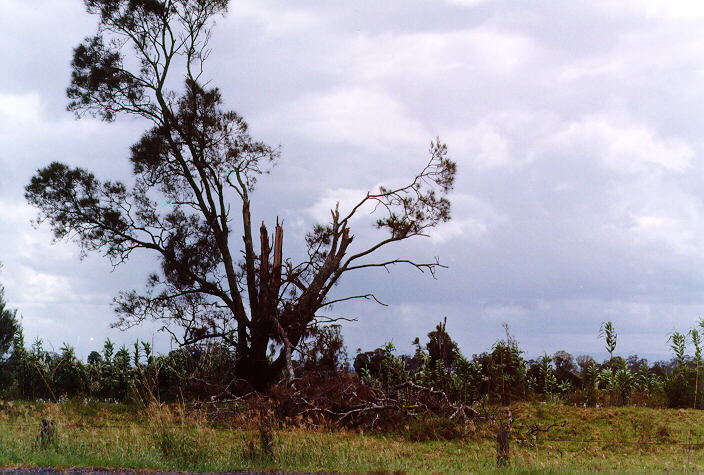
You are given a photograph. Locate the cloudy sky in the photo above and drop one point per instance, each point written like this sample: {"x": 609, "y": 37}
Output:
{"x": 577, "y": 127}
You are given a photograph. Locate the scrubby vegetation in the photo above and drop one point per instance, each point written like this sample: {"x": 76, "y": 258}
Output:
{"x": 188, "y": 409}
{"x": 437, "y": 373}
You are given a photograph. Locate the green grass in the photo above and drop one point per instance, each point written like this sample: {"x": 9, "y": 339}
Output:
{"x": 118, "y": 436}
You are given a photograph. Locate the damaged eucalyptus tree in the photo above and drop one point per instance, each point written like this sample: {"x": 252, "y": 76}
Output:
{"x": 190, "y": 168}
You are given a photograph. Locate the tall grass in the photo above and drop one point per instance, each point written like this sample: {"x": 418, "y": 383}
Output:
{"x": 162, "y": 437}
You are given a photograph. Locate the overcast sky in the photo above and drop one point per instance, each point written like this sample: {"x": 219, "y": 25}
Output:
{"x": 577, "y": 127}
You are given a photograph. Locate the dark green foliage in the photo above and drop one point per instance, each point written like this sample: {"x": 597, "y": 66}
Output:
{"x": 506, "y": 372}
{"x": 678, "y": 343}
{"x": 10, "y": 334}
{"x": 499, "y": 374}
{"x": 94, "y": 359}
{"x": 614, "y": 364}
{"x": 441, "y": 347}
{"x": 624, "y": 385}
{"x": 205, "y": 371}
{"x": 679, "y": 388}
{"x": 392, "y": 370}
{"x": 467, "y": 381}
{"x": 541, "y": 377}
{"x": 32, "y": 370}
{"x": 101, "y": 84}
{"x": 608, "y": 333}
{"x": 69, "y": 375}
{"x": 324, "y": 351}
{"x": 8, "y": 326}
{"x": 369, "y": 362}
{"x": 98, "y": 75}
{"x": 635, "y": 363}
{"x": 590, "y": 384}
{"x": 566, "y": 370}
{"x": 503, "y": 376}
{"x": 197, "y": 372}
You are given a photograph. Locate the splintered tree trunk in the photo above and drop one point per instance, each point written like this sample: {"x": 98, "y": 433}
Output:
{"x": 278, "y": 256}
{"x": 255, "y": 366}
{"x": 276, "y": 284}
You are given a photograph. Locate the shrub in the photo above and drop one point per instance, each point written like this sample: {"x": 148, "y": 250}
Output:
{"x": 324, "y": 350}
{"x": 679, "y": 389}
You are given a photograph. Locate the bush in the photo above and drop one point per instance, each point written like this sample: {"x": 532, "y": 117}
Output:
{"x": 8, "y": 326}
{"x": 324, "y": 351}
{"x": 679, "y": 389}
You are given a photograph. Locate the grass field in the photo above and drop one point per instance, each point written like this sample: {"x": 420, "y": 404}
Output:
{"x": 105, "y": 435}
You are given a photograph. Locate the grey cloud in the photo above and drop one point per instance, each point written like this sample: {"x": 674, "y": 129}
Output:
{"x": 576, "y": 127}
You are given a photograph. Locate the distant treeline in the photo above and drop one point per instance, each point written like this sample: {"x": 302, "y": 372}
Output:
{"x": 500, "y": 375}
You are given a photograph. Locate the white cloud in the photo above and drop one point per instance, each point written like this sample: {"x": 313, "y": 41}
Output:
{"x": 664, "y": 229}
{"x": 669, "y": 220}
{"x": 276, "y": 20}
{"x": 674, "y": 9}
{"x": 359, "y": 117}
{"x": 655, "y": 11}
{"x": 501, "y": 313}
{"x": 472, "y": 219}
{"x": 29, "y": 242}
{"x": 467, "y": 3}
{"x": 19, "y": 110}
{"x": 346, "y": 198}
{"x": 43, "y": 288}
{"x": 509, "y": 138}
{"x": 625, "y": 147}
{"x": 482, "y": 145}
{"x": 431, "y": 56}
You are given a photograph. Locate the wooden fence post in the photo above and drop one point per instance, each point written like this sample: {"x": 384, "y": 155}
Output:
{"x": 503, "y": 457}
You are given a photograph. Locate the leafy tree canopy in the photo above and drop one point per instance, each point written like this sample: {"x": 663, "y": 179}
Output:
{"x": 194, "y": 173}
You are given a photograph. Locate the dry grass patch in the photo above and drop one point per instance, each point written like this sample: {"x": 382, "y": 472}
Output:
{"x": 162, "y": 437}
